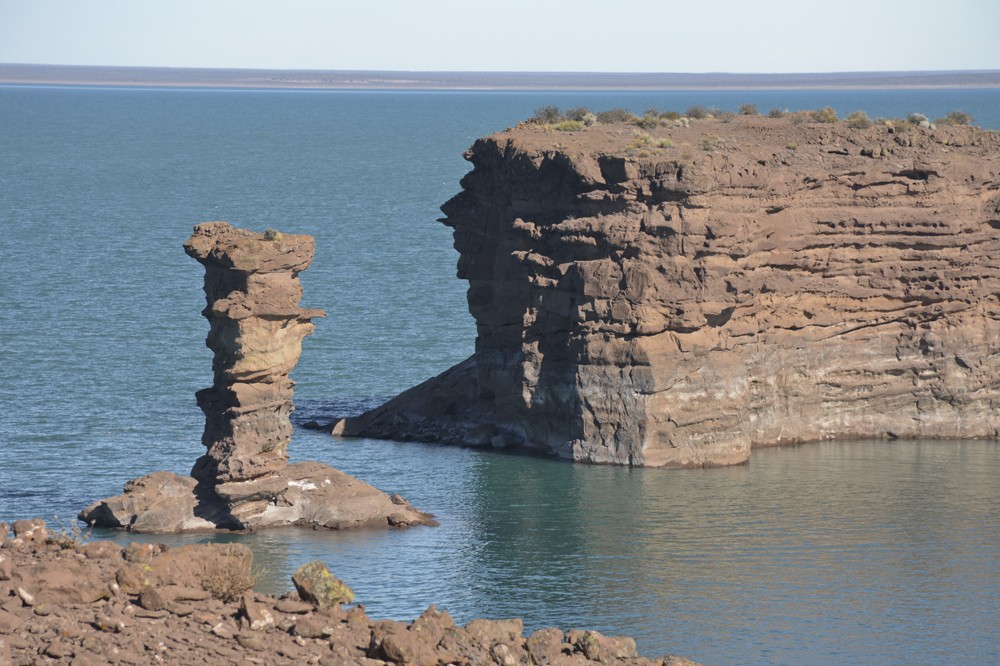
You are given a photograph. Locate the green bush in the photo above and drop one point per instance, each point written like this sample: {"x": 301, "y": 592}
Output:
{"x": 858, "y": 120}
{"x": 618, "y": 115}
{"x": 648, "y": 122}
{"x": 749, "y": 110}
{"x": 578, "y": 113}
{"x": 955, "y": 118}
{"x": 697, "y": 112}
{"x": 545, "y": 115}
{"x": 824, "y": 115}
{"x": 569, "y": 125}
{"x": 776, "y": 113}
{"x": 670, "y": 115}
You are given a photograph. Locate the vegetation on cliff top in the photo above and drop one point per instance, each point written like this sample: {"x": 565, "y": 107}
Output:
{"x": 574, "y": 119}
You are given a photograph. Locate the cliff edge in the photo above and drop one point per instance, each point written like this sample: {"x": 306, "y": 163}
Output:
{"x": 675, "y": 296}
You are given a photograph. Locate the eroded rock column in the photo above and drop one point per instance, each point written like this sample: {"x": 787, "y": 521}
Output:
{"x": 244, "y": 480}
{"x": 253, "y": 292}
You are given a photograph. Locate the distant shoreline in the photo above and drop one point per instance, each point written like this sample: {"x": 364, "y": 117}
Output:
{"x": 253, "y": 79}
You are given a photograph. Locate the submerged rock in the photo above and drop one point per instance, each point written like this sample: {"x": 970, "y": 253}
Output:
{"x": 677, "y": 296}
{"x": 244, "y": 480}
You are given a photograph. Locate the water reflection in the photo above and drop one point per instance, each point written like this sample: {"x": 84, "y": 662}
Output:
{"x": 870, "y": 552}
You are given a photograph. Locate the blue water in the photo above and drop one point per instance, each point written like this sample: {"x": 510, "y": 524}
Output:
{"x": 879, "y": 553}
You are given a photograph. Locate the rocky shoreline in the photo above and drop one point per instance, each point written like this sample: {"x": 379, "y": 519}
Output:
{"x": 92, "y": 603}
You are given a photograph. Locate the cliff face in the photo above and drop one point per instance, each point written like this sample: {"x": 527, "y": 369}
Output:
{"x": 675, "y": 297}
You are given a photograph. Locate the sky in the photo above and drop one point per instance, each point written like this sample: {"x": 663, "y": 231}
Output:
{"x": 512, "y": 35}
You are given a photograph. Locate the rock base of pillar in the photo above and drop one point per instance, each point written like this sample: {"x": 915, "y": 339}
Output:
{"x": 308, "y": 494}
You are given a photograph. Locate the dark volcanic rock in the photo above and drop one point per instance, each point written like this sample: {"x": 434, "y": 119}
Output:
{"x": 676, "y": 296}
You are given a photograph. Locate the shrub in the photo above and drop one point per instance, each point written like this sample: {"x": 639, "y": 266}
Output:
{"x": 618, "y": 115}
{"x": 647, "y": 122}
{"x": 776, "y": 113}
{"x": 725, "y": 116}
{"x": 858, "y": 120}
{"x": 955, "y": 118}
{"x": 697, "y": 112}
{"x": 228, "y": 577}
{"x": 917, "y": 118}
{"x": 670, "y": 115}
{"x": 710, "y": 143}
{"x": 578, "y": 113}
{"x": 545, "y": 115}
{"x": 663, "y": 143}
{"x": 749, "y": 110}
{"x": 641, "y": 140}
{"x": 569, "y": 125}
{"x": 824, "y": 115}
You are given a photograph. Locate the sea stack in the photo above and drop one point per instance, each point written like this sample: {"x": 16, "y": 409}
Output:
{"x": 674, "y": 294}
{"x": 244, "y": 480}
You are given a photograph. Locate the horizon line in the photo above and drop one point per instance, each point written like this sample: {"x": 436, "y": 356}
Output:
{"x": 264, "y": 78}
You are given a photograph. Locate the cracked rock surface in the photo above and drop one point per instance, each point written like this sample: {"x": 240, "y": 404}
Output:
{"x": 675, "y": 296}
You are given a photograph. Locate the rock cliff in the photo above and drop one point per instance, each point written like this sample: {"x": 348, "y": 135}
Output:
{"x": 673, "y": 297}
{"x": 244, "y": 480}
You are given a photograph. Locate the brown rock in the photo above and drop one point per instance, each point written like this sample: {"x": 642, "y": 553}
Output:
{"x": 604, "y": 649}
{"x": 313, "y": 626}
{"x": 60, "y": 582}
{"x": 674, "y": 307}
{"x": 315, "y": 584}
{"x": 545, "y": 645}
{"x": 393, "y": 642}
{"x": 256, "y": 616}
{"x": 30, "y": 531}
{"x": 9, "y": 622}
{"x": 101, "y": 550}
{"x": 251, "y": 641}
{"x": 243, "y": 481}
{"x": 293, "y": 606}
{"x": 152, "y": 599}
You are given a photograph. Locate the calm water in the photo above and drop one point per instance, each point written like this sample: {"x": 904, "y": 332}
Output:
{"x": 831, "y": 553}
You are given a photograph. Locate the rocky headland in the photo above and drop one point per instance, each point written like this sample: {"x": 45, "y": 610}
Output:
{"x": 244, "y": 480}
{"x": 90, "y": 603}
{"x": 675, "y": 294}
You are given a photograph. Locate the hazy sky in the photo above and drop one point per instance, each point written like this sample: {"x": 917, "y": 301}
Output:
{"x": 510, "y": 35}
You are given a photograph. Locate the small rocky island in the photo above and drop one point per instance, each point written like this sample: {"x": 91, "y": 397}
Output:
{"x": 244, "y": 480}
{"x": 676, "y": 293}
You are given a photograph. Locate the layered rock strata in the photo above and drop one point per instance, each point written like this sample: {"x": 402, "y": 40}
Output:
{"x": 673, "y": 297}
{"x": 244, "y": 480}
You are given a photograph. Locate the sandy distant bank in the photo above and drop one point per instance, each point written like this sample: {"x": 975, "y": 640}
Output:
{"x": 343, "y": 79}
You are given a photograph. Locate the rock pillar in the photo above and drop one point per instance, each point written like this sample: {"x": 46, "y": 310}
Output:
{"x": 253, "y": 292}
{"x": 244, "y": 480}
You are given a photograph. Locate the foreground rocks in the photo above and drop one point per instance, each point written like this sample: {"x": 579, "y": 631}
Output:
{"x": 674, "y": 296}
{"x": 244, "y": 480}
{"x": 98, "y": 603}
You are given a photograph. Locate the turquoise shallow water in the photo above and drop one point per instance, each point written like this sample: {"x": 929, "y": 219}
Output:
{"x": 830, "y": 553}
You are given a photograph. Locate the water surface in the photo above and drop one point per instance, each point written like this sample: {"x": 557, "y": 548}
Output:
{"x": 833, "y": 553}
